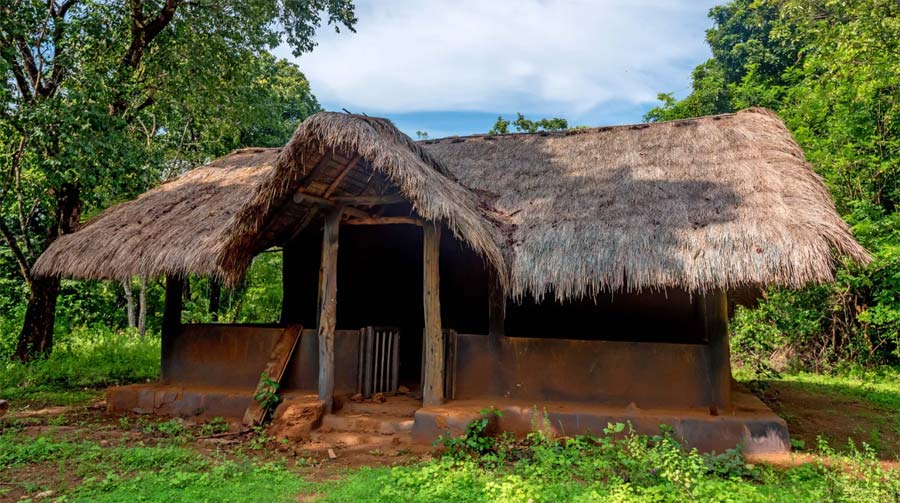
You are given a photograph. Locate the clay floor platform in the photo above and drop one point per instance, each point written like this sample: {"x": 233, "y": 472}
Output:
{"x": 750, "y": 423}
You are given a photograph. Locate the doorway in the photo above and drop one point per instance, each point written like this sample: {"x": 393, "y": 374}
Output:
{"x": 380, "y": 285}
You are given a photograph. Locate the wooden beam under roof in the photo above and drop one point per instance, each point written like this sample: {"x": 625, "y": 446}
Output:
{"x": 384, "y": 221}
{"x": 340, "y": 178}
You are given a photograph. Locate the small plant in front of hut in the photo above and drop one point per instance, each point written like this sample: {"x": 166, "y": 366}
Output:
{"x": 477, "y": 439}
{"x": 267, "y": 393}
{"x": 215, "y": 426}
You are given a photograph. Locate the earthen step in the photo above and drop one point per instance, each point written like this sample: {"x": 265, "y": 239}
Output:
{"x": 353, "y": 441}
{"x": 364, "y": 423}
{"x": 400, "y": 406}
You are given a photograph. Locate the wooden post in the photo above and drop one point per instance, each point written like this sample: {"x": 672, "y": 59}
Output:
{"x": 171, "y": 322}
{"x": 714, "y": 306}
{"x": 328, "y": 306}
{"x": 496, "y": 308}
{"x": 433, "y": 385}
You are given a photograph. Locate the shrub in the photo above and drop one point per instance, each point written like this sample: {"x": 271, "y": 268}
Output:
{"x": 92, "y": 357}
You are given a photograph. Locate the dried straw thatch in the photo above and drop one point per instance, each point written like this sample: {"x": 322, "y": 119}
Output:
{"x": 433, "y": 192}
{"x": 176, "y": 228}
{"x": 212, "y": 220}
{"x": 714, "y": 202}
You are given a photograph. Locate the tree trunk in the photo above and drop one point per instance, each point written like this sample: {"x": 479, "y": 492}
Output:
{"x": 129, "y": 301}
{"x": 215, "y": 299}
{"x": 142, "y": 308}
{"x": 36, "y": 337}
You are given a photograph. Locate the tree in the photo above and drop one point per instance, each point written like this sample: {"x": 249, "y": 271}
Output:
{"x": 99, "y": 95}
{"x": 524, "y": 125}
{"x": 831, "y": 70}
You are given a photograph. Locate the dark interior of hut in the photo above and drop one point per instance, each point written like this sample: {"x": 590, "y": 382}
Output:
{"x": 650, "y": 316}
{"x": 380, "y": 284}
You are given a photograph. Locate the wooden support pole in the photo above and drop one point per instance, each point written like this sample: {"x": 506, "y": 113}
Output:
{"x": 714, "y": 307}
{"x": 433, "y": 385}
{"x": 389, "y": 199}
{"x": 328, "y": 306}
{"x": 340, "y": 178}
{"x": 321, "y": 202}
{"x": 496, "y": 307}
{"x": 171, "y": 322}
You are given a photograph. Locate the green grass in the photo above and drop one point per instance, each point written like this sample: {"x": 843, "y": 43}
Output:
{"x": 163, "y": 473}
{"x": 880, "y": 388}
{"x": 89, "y": 360}
{"x": 656, "y": 474}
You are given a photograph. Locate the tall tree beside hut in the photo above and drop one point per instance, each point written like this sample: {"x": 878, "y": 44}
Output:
{"x": 98, "y": 96}
{"x": 831, "y": 70}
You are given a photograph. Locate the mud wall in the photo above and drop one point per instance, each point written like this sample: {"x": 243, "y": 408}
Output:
{"x": 652, "y": 375}
{"x": 235, "y": 355}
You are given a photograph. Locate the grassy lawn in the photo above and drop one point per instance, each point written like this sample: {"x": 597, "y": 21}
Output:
{"x": 51, "y": 468}
{"x": 59, "y": 445}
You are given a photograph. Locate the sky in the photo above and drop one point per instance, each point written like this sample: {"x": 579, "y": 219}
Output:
{"x": 450, "y": 67}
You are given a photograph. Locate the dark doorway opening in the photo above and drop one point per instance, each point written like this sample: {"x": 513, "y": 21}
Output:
{"x": 380, "y": 284}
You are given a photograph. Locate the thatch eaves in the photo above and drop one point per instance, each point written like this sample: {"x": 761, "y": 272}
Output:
{"x": 177, "y": 228}
{"x": 214, "y": 219}
{"x": 715, "y": 202}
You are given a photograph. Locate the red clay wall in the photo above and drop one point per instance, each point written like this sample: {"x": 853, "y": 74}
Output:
{"x": 234, "y": 356}
{"x": 653, "y": 375}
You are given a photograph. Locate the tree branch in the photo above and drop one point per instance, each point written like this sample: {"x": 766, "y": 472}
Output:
{"x": 21, "y": 260}
{"x": 61, "y": 12}
{"x": 21, "y": 80}
{"x": 143, "y": 32}
{"x": 29, "y": 64}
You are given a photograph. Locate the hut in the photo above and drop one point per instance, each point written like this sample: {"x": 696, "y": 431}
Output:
{"x": 581, "y": 276}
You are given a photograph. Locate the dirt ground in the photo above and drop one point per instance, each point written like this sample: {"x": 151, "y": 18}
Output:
{"x": 92, "y": 423}
{"x": 810, "y": 413}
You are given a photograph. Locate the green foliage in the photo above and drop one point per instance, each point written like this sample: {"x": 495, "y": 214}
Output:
{"x": 164, "y": 473}
{"x": 476, "y": 440}
{"x": 88, "y": 358}
{"x": 214, "y": 426}
{"x": 101, "y": 100}
{"x": 630, "y": 468}
{"x": 523, "y": 125}
{"x": 267, "y": 393}
{"x": 830, "y": 69}
{"x": 256, "y": 300}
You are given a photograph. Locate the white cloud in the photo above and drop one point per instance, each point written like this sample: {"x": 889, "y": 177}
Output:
{"x": 545, "y": 56}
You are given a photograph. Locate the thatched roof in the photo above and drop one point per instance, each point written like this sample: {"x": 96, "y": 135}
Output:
{"x": 177, "y": 228}
{"x": 214, "y": 219}
{"x": 714, "y": 202}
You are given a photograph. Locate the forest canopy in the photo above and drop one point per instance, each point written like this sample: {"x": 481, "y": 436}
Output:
{"x": 831, "y": 70}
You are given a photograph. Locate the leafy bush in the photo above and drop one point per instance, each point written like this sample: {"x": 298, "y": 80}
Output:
{"x": 89, "y": 358}
{"x": 620, "y": 467}
{"x": 476, "y": 440}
